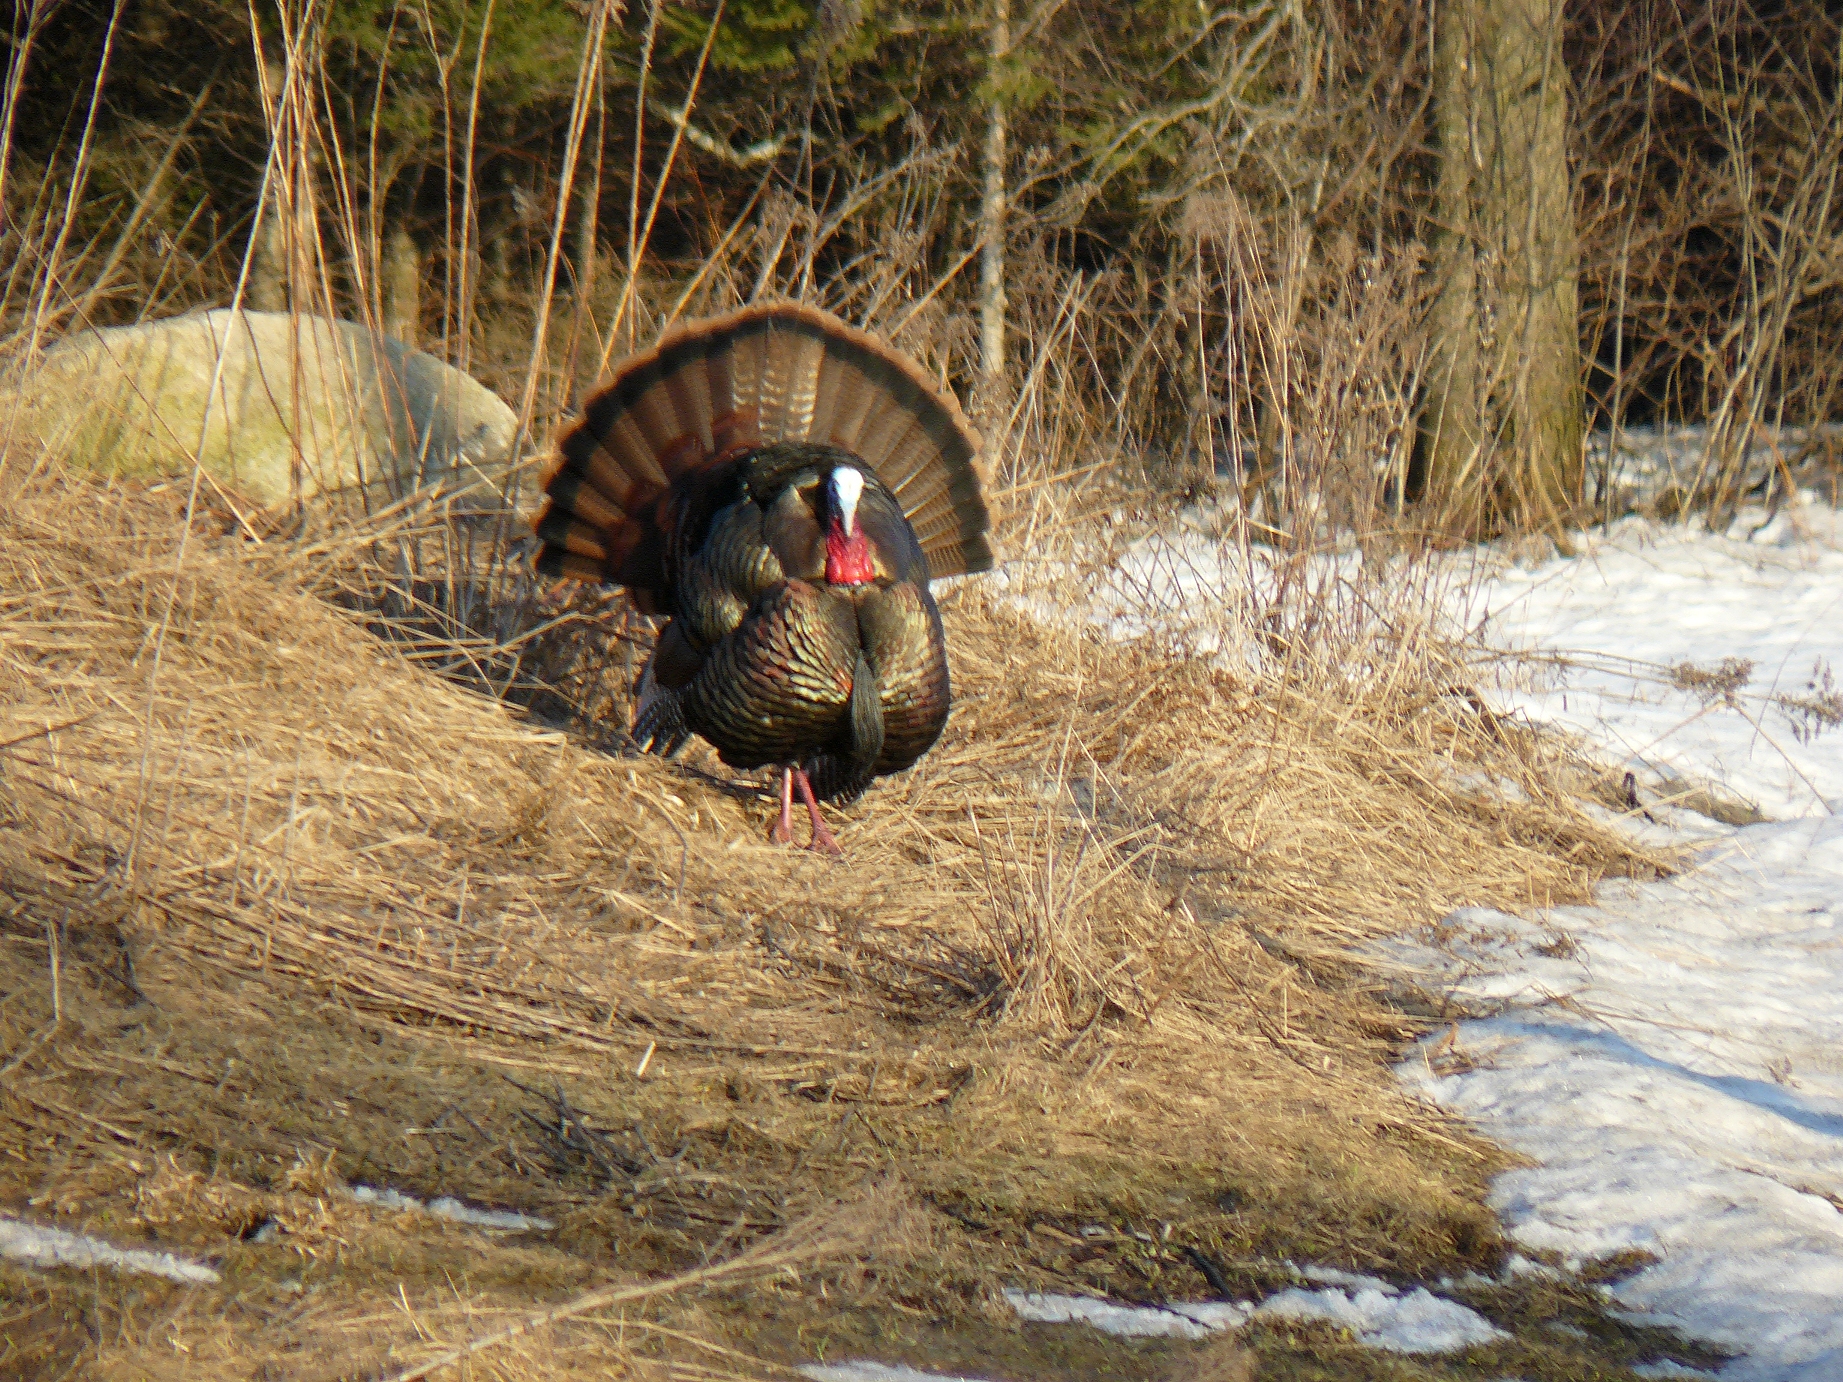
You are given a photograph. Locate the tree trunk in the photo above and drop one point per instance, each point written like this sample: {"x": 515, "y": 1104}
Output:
{"x": 402, "y": 288}
{"x": 268, "y": 290}
{"x": 1452, "y": 425}
{"x": 993, "y": 402}
{"x": 1501, "y": 430}
{"x": 286, "y": 250}
{"x": 1534, "y": 218}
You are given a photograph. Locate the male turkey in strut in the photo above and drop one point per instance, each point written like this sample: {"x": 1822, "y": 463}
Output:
{"x": 784, "y": 487}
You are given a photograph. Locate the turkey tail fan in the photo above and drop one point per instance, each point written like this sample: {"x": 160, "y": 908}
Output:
{"x": 715, "y": 389}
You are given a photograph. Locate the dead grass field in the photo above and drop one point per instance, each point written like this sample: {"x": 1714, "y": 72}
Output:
{"x": 281, "y": 911}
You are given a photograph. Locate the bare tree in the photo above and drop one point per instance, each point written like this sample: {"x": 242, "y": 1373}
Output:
{"x": 1502, "y": 426}
{"x": 992, "y": 403}
{"x": 402, "y": 288}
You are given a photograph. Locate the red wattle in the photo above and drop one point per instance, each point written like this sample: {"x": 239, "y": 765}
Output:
{"x": 848, "y": 558}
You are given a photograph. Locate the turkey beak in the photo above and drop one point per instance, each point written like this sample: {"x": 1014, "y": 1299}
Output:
{"x": 847, "y": 489}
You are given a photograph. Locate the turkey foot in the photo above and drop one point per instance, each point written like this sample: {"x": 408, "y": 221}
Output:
{"x": 823, "y": 841}
{"x": 782, "y": 831}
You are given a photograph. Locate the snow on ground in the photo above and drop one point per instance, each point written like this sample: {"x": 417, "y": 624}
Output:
{"x": 1379, "y": 1315}
{"x": 1671, "y": 1058}
{"x": 873, "y": 1372}
{"x": 1375, "y": 1312}
{"x": 1178, "y": 1319}
{"x": 1638, "y": 629}
{"x": 447, "y": 1207}
{"x": 45, "y": 1248}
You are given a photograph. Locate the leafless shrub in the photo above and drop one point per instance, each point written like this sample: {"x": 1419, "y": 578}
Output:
{"x": 1817, "y": 708}
{"x": 1710, "y": 140}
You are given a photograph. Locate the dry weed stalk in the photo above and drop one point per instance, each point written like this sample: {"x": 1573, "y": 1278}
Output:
{"x": 1710, "y": 140}
{"x": 838, "y": 1234}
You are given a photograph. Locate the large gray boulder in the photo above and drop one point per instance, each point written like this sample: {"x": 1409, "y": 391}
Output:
{"x": 279, "y": 408}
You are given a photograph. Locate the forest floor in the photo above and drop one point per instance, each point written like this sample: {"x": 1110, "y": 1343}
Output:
{"x": 1666, "y": 1056}
{"x": 355, "y": 1024}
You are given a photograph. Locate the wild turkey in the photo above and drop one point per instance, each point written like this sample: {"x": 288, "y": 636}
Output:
{"x": 784, "y": 487}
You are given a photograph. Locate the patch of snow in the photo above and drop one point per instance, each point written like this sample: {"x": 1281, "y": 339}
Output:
{"x": 1379, "y": 1314}
{"x": 45, "y": 1248}
{"x": 874, "y": 1372}
{"x": 1184, "y": 1321}
{"x": 1671, "y": 1057}
{"x": 1678, "y": 1080}
{"x": 1384, "y": 1317}
{"x": 1519, "y": 1265}
{"x": 1610, "y": 626}
{"x": 447, "y": 1207}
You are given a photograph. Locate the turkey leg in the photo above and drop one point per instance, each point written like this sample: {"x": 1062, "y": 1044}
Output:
{"x": 823, "y": 841}
{"x": 782, "y": 832}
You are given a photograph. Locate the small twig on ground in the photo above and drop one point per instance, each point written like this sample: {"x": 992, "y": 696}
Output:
{"x": 1212, "y": 1273}
{"x": 814, "y": 1239}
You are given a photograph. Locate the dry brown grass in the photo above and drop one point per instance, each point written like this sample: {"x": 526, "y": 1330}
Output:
{"x": 280, "y": 909}
{"x": 285, "y": 906}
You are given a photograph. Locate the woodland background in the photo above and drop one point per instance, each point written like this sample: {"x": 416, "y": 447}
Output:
{"x": 1307, "y": 272}
{"x": 1366, "y": 262}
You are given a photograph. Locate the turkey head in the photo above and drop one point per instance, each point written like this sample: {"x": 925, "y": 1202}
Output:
{"x": 783, "y": 488}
